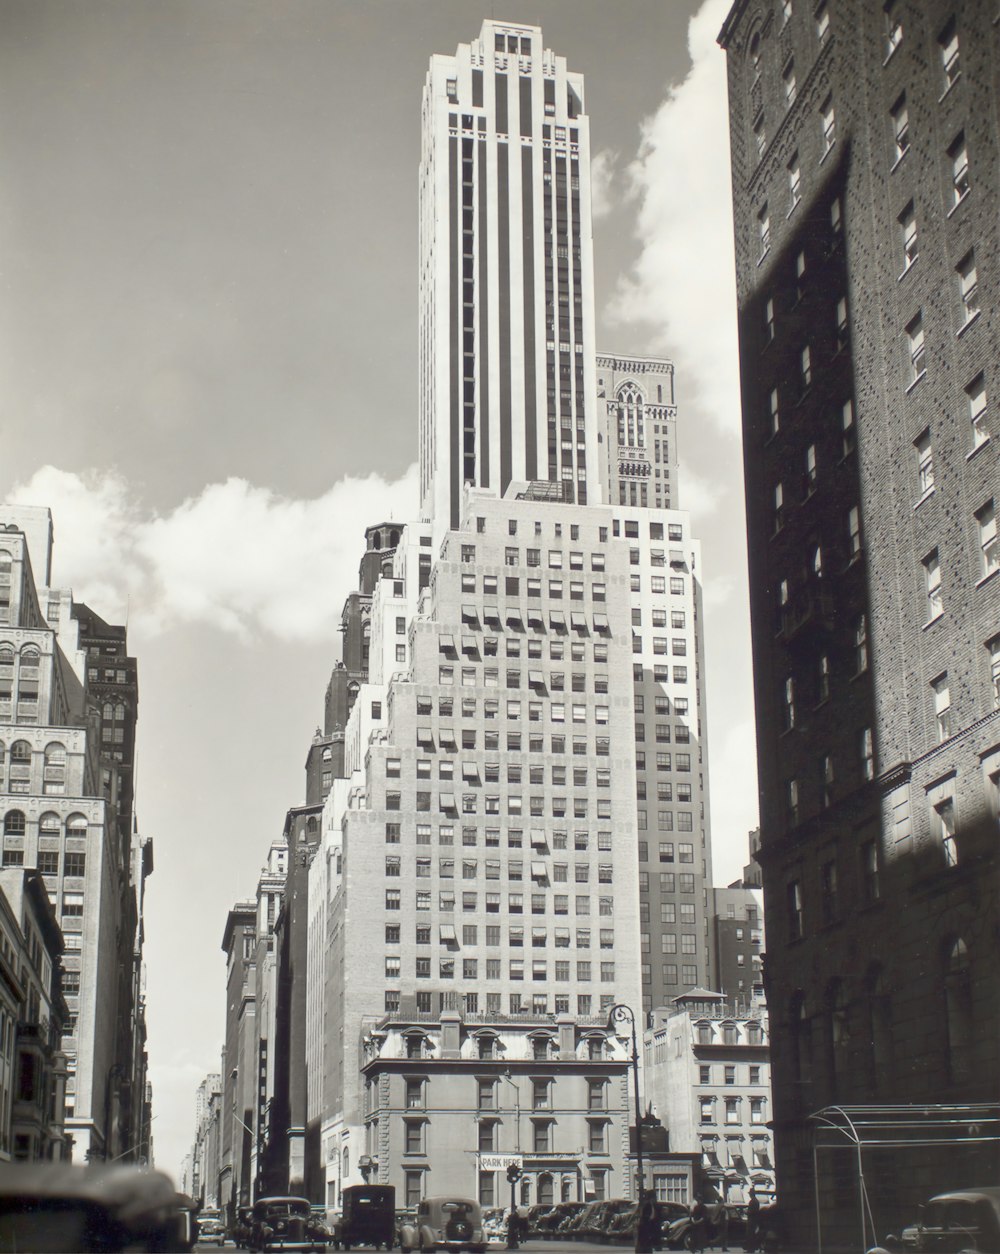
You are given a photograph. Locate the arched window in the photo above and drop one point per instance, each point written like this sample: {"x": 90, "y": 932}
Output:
{"x": 755, "y": 55}
{"x": 595, "y": 1047}
{"x": 29, "y": 657}
{"x": 345, "y": 1162}
{"x": 376, "y": 539}
{"x": 48, "y": 824}
{"x": 630, "y": 426}
{"x": 76, "y": 825}
{"x": 487, "y": 1045}
{"x": 6, "y": 655}
{"x": 120, "y": 712}
{"x": 879, "y": 1028}
{"x": 107, "y": 711}
{"x": 545, "y": 1194}
{"x": 393, "y": 538}
{"x": 352, "y": 694}
{"x": 958, "y": 1008}
{"x": 55, "y": 754}
{"x": 387, "y": 566}
{"x": 20, "y": 751}
{"x": 13, "y": 823}
{"x": 541, "y": 1047}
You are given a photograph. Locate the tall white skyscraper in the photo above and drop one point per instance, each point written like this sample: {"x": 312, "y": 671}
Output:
{"x": 507, "y": 387}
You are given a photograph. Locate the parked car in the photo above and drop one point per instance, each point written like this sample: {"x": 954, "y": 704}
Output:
{"x": 368, "y": 1217}
{"x": 549, "y": 1225}
{"x": 951, "y": 1223}
{"x": 445, "y": 1223}
{"x": 285, "y": 1223}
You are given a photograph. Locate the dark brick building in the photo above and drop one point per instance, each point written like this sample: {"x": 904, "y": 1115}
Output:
{"x": 865, "y": 163}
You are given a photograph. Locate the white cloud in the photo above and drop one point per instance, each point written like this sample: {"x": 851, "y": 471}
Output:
{"x": 683, "y": 282}
{"x": 734, "y": 772}
{"x": 236, "y": 557}
{"x": 698, "y": 495}
{"x": 602, "y": 173}
{"x": 717, "y": 591}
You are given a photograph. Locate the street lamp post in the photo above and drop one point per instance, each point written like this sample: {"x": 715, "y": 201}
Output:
{"x": 621, "y": 1019}
{"x": 514, "y": 1171}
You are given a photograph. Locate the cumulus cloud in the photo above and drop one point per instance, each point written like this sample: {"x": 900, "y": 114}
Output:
{"x": 602, "y": 172}
{"x": 236, "y": 557}
{"x": 683, "y": 282}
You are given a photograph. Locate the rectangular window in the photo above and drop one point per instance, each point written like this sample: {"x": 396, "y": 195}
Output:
{"x": 828, "y": 124}
{"x": 976, "y": 392}
{"x": 942, "y": 706}
{"x": 908, "y": 232}
{"x": 915, "y": 349}
{"x": 788, "y": 83}
{"x": 900, "y": 128}
{"x": 925, "y": 461}
{"x": 968, "y": 286}
{"x": 932, "y": 585}
{"x": 764, "y": 228}
{"x": 950, "y": 63}
{"x": 958, "y": 155}
{"x": 986, "y": 523}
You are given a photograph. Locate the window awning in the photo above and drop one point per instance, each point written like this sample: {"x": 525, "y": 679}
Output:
{"x": 513, "y": 614}
{"x": 446, "y": 800}
{"x": 446, "y": 735}
{"x": 600, "y": 621}
{"x": 470, "y": 614}
{"x": 491, "y": 614}
{"x": 536, "y": 678}
{"x": 538, "y": 871}
{"x": 446, "y": 643}
{"x": 579, "y": 621}
{"x": 447, "y": 931}
{"x": 536, "y": 618}
{"x": 538, "y": 838}
{"x": 424, "y": 736}
{"x": 469, "y": 644}
{"x": 739, "y": 1164}
{"x": 470, "y": 770}
{"x": 539, "y": 931}
{"x": 677, "y": 557}
{"x": 557, "y": 618}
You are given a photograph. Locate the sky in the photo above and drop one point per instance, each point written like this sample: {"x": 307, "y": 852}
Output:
{"x": 208, "y": 346}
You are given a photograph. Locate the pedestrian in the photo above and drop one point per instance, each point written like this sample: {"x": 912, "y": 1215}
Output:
{"x": 699, "y": 1225}
{"x": 753, "y": 1222}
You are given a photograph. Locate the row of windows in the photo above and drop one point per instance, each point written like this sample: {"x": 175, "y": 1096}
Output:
{"x": 826, "y": 778}
{"x": 489, "y": 645}
{"x": 416, "y": 1140}
{"x": 514, "y": 904}
{"x": 49, "y": 824}
{"x": 668, "y": 882}
{"x": 517, "y": 1003}
{"x": 449, "y": 803}
{"x": 491, "y": 772}
{"x": 492, "y": 869}
{"x": 492, "y": 969}
{"x": 829, "y": 890}
{"x": 74, "y": 863}
{"x": 29, "y": 655}
{"x": 539, "y": 839}
{"x": 732, "y": 1109}
{"x": 489, "y": 677}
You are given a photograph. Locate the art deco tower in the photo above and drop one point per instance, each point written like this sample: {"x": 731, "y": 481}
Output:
{"x": 506, "y": 274}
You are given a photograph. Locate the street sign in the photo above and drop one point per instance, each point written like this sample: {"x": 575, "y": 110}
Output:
{"x": 499, "y": 1162}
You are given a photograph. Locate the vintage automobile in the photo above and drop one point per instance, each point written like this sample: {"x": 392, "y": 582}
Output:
{"x": 951, "y": 1223}
{"x": 211, "y": 1230}
{"x": 445, "y": 1223}
{"x": 368, "y": 1217}
{"x": 242, "y": 1226}
{"x": 285, "y": 1223}
{"x": 59, "y": 1206}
